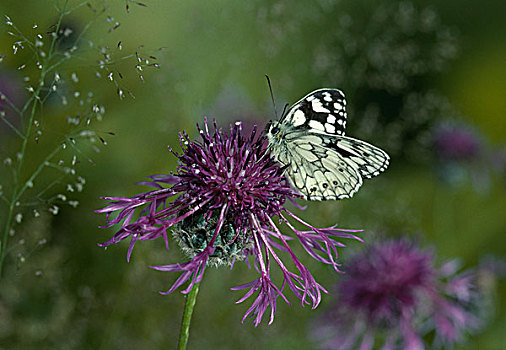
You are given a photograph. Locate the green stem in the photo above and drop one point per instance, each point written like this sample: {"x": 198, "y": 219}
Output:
{"x": 5, "y": 236}
{"x": 36, "y": 173}
{"x": 187, "y": 317}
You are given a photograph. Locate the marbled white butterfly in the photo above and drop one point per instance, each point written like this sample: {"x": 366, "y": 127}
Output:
{"x": 322, "y": 163}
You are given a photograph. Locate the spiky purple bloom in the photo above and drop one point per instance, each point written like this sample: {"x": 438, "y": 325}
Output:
{"x": 227, "y": 191}
{"x": 393, "y": 296}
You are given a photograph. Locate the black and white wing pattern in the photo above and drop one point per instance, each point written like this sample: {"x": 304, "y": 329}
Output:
{"x": 322, "y": 163}
{"x": 322, "y": 110}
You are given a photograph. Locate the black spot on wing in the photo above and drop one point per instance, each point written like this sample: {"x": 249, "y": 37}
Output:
{"x": 342, "y": 152}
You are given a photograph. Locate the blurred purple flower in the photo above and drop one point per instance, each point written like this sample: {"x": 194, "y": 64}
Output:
{"x": 462, "y": 156}
{"x": 456, "y": 143}
{"x": 228, "y": 191}
{"x": 392, "y": 293}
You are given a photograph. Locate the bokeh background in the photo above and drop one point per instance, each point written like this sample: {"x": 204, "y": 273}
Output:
{"x": 425, "y": 80}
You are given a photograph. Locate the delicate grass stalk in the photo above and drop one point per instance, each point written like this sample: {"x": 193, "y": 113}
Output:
{"x": 17, "y": 191}
{"x": 29, "y": 111}
{"x": 184, "y": 333}
{"x": 3, "y": 243}
{"x": 9, "y": 124}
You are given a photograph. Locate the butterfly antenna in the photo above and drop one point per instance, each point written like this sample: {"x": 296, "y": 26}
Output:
{"x": 284, "y": 109}
{"x": 272, "y": 95}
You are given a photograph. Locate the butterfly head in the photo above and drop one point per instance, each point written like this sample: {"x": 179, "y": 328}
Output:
{"x": 273, "y": 128}
{"x": 273, "y": 131}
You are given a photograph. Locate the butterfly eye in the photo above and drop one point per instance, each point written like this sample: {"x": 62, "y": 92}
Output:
{"x": 274, "y": 130}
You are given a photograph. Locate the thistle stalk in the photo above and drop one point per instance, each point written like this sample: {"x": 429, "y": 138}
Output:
{"x": 189, "y": 305}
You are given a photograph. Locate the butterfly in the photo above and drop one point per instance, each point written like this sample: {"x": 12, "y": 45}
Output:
{"x": 320, "y": 161}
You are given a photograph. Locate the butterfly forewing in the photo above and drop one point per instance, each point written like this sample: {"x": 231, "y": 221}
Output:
{"x": 322, "y": 110}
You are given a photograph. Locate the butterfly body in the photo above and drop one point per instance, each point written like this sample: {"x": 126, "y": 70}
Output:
{"x": 321, "y": 162}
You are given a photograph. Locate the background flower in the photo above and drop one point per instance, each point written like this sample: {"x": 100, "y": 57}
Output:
{"x": 394, "y": 296}
{"x": 463, "y": 155}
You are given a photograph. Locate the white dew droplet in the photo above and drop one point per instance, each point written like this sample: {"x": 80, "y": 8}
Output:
{"x": 54, "y": 210}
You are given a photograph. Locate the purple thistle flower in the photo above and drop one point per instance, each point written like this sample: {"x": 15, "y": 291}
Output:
{"x": 392, "y": 294}
{"x": 227, "y": 190}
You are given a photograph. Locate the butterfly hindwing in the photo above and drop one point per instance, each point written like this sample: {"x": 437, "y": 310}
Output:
{"x": 318, "y": 172}
{"x": 369, "y": 160}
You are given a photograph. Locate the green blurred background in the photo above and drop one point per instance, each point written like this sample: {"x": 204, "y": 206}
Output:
{"x": 70, "y": 294}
